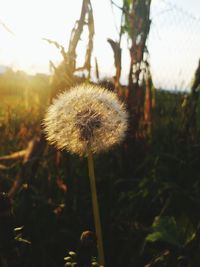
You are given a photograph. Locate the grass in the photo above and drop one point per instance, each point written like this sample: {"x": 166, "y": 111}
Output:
{"x": 158, "y": 179}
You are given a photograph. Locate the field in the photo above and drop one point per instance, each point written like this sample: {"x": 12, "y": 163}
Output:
{"x": 149, "y": 195}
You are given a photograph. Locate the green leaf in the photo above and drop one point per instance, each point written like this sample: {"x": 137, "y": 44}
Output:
{"x": 165, "y": 229}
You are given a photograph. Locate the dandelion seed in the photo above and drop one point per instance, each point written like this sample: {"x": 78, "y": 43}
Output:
{"x": 84, "y": 116}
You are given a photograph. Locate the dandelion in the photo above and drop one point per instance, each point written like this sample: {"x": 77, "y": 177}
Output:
{"x": 85, "y": 116}
{"x": 84, "y": 120}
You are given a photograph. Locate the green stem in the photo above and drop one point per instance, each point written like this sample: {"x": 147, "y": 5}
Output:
{"x": 95, "y": 207}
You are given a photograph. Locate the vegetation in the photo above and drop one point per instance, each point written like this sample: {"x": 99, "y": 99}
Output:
{"x": 148, "y": 188}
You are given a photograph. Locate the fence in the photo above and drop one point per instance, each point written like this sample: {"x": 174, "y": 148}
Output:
{"x": 173, "y": 44}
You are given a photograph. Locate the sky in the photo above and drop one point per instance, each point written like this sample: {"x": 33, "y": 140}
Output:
{"x": 173, "y": 41}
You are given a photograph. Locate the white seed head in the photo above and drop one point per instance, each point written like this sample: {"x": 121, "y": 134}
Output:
{"x": 85, "y": 115}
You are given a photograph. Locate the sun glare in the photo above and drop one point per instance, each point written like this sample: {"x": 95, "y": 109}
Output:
{"x": 24, "y": 24}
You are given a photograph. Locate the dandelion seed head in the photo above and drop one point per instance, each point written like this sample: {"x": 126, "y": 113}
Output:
{"x": 87, "y": 121}
{"x": 85, "y": 115}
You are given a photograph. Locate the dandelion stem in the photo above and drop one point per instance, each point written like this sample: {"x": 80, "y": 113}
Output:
{"x": 95, "y": 207}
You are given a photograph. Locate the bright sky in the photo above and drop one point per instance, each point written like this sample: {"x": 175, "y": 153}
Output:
{"x": 172, "y": 57}
{"x": 174, "y": 42}
{"x": 32, "y": 20}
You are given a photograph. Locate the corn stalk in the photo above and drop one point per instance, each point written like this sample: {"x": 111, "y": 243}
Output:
{"x": 135, "y": 24}
{"x": 64, "y": 75}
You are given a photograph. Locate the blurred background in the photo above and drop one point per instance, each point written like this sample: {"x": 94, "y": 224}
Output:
{"x": 147, "y": 52}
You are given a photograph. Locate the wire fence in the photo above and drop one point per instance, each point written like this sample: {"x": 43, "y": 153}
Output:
{"x": 174, "y": 45}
